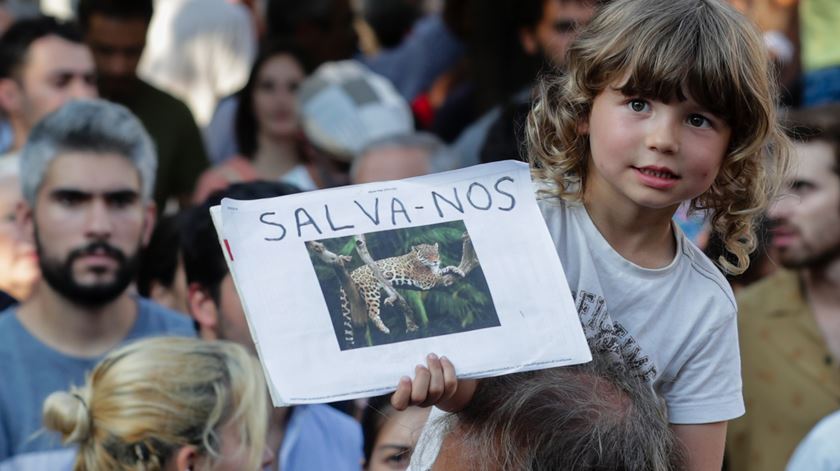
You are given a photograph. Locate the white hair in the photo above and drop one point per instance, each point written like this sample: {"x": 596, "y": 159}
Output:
{"x": 96, "y": 126}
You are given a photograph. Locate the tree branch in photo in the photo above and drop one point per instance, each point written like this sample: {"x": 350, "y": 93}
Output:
{"x": 468, "y": 261}
{"x": 358, "y": 308}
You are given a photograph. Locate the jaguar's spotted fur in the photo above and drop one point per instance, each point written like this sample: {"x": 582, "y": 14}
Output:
{"x": 418, "y": 269}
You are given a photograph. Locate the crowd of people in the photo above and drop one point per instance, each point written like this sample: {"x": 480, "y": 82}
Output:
{"x": 686, "y": 158}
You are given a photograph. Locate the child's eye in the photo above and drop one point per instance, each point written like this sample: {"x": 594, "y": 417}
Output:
{"x": 699, "y": 121}
{"x": 638, "y": 105}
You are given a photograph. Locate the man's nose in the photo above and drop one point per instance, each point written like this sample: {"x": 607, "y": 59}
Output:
{"x": 98, "y": 224}
{"x": 781, "y": 207}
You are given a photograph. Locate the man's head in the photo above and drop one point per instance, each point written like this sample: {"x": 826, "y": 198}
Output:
{"x": 87, "y": 174}
{"x": 115, "y": 30}
{"x": 805, "y": 221}
{"x": 510, "y": 43}
{"x": 323, "y": 27}
{"x": 401, "y": 156}
{"x": 591, "y": 416}
{"x": 43, "y": 64}
{"x": 547, "y": 27}
{"x": 212, "y": 298}
{"x": 161, "y": 276}
{"x": 391, "y": 20}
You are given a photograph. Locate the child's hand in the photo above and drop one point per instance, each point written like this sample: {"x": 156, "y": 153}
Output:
{"x": 434, "y": 386}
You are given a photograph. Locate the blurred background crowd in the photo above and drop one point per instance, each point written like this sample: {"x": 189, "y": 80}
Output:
{"x": 310, "y": 94}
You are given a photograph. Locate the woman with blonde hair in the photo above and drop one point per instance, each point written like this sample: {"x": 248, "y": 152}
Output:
{"x": 166, "y": 404}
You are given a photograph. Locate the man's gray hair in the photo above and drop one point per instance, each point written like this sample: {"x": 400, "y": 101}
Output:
{"x": 438, "y": 153}
{"x": 585, "y": 417}
{"x": 96, "y": 126}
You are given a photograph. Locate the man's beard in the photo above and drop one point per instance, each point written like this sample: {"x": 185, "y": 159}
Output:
{"x": 810, "y": 260}
{"x": 59, "y": 274}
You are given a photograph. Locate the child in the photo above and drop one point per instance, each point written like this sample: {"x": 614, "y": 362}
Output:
{"x": 664, "y": 101}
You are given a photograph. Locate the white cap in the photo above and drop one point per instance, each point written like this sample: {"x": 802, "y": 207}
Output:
{"x": 344, "y": 107}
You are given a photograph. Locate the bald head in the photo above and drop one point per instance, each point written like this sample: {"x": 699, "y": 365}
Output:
{"x": 401, "y": 157}
{"x": 390, "y": 163}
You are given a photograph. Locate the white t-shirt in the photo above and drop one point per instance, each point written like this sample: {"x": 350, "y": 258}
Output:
{"x": 819, "y": 451}
{"x": 675, "y": 326}
{"x": 299, "y": 177}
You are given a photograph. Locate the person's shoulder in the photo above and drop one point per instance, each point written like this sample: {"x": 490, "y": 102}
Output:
{"x": 168, "y": 103}
{"x": 775, "y": 291}
{"x": 9, "y": 322}
{"x": 335, "y": 437}
{"x": 8, "y": 332}
{"x": 706, "y": 275}
{"x": 331, "y": 418}
{"x": 558, "y": 213}
{"x": 829, "y": 426}
{"x": 7, "y": 313}
{"x": 818, "y": 451}
{"x": 159, "y": 319}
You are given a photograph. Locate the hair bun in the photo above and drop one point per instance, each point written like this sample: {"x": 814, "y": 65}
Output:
{"x": 68, "y": 414}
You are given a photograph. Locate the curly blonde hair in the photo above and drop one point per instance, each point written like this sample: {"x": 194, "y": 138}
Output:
{"x": 146, "y": 400}
{"x": 665, "y": 50}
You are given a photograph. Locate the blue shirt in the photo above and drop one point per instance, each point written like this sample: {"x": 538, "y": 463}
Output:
{"x": 320, "y": 437}
{"x": 31, "y": 371}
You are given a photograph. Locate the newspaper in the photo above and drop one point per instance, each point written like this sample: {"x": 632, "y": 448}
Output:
{"x": 345, "y": 290}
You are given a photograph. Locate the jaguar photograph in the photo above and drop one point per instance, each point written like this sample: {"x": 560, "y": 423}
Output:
{"x": 404, "y": 284}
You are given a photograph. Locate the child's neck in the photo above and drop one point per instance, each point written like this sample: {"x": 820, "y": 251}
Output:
{"x": 641, "y": 235}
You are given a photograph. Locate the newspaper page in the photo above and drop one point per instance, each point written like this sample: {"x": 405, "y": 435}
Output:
{"x": 346, "y": 290}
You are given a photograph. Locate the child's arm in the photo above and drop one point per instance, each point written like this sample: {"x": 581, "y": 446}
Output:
{"x": 703, "y": 444}
{"x": 434, "y": 386}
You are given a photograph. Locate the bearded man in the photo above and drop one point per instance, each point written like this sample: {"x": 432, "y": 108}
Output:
{"x": 87, "y": 174}
{"x": 789, "y": 323}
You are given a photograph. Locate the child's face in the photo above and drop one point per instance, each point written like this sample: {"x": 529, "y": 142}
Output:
{"x": 650, "y": 154}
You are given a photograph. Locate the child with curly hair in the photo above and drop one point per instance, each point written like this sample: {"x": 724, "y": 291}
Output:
{"x": 663, "y": 102}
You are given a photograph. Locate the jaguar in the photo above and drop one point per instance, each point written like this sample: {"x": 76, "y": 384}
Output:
{"x": 418, "y": 269}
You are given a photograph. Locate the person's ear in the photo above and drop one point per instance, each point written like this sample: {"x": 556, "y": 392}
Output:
{"x": 204, "y": 311}
{"x": 10, "y": 95}
{"x": 528, "y": 40}
{"x": 583, "y": 125}
{"x": 186, "y": 458}
{"x": 149, "y": 220}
